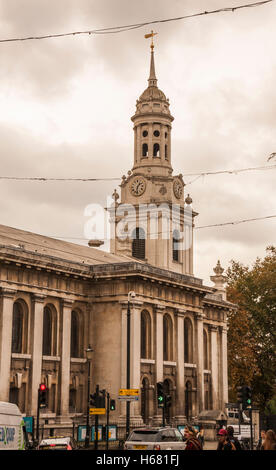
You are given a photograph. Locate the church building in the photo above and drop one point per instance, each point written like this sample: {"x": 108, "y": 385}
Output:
{"x": 58, "y": 299}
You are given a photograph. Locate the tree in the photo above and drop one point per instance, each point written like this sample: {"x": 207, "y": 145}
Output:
{"x": 252, "y": 328}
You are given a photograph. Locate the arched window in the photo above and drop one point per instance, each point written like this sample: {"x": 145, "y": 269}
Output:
{"x": 145, "y": 150}
{"x": 156, "y": 150}
{"x": 175, "y": 240}
{"x": 167, "y": 338}
{"x": 17, "y": 328}
{"x": 49, "y": 331}
{"x": 205, "y": 350}
{"x": 188, "y": 400}
{"x": 145, "y": 400}
{"x": 75, "y": 335}
{"x": 188, "y": 341}
{"x": 138, "y": 243}
{"x": 145, "y": 335}
{"x": 166, "y": 152}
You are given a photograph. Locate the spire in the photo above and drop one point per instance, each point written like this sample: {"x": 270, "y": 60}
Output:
{"x": 152, "y": 78}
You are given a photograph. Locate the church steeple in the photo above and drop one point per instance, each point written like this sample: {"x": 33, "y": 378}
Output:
{"x": 152, "y": 126}
{"x": 152, "y": 78}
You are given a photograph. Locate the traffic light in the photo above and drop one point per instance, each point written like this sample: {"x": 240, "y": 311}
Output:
{"x": 239, "y": 394}
{"x": 247, "y": 397}
{"x": 168, "y": 401}
{"x": 42, "y": 396}
{"x": 244, "y": 396}
{"x": 160, "y": 394}
{"x": 93, "y": 400}
{"x": 112, "y": 405}
{"x": 101, "y": 402}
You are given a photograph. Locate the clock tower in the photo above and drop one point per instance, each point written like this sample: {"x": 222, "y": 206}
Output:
{"x": 153, "y": 222}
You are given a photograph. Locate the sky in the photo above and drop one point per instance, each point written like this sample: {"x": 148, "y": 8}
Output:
{"x": 66, "y": 104}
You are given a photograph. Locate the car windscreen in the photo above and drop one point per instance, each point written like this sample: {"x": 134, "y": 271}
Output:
{"x": 53, "y": 447}
{"x": 144, "y": 436}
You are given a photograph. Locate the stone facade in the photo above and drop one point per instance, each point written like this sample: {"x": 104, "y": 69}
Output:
{"x": 57, "y": 298}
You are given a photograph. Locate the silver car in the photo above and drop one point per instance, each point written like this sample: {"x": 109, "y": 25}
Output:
{"x": 155, "y": 439}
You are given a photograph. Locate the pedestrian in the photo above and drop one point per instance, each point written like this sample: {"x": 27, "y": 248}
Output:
{"x": 233, "y": 440}
{"x": 192, "y": 442}
{"x": 270, "y": 440}
{"x": 224, "y": 441}
{"x": 200, "y": 436}
{"x": 260, "y": 444}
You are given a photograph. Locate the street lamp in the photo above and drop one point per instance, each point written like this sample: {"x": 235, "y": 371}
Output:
{"x": 89, "y": 351}
{"x": 131, "y": 295}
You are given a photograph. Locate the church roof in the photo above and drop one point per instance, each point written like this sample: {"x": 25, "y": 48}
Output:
{"x": 41, "y": 245}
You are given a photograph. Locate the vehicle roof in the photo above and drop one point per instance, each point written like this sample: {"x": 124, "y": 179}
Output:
{"x": 55, "y": 440}
{"x": 152, "y": 428}
{"x": 9, "y": 409}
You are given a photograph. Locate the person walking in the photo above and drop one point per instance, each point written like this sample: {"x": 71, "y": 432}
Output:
{"x": 200, "y": 436}
{"x": 260, "y": 445}
{"x": 232, "y": 439}
{"x": 270, "y": 440}
{"x": 192, "y": 442}
{"x": 224, "y": 441}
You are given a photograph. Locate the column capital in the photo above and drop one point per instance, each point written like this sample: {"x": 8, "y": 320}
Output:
{"x": 38, "y": 298}
{"x": 179, "y": 312}
{"x": 135, "y": 304}
{"x": 67, "y": 303}
{"x": 199, "y": 316}
{"x": 213, "y": 327}
{"x": 159, "y": 308}
{"x": 222, "y": 329}
{"x": 7, "y": 292}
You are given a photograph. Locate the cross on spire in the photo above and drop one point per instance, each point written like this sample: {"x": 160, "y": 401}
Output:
{"x": 152, "y": 78}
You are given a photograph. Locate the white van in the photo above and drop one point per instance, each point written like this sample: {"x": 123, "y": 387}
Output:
{"x": 12, "y": 427}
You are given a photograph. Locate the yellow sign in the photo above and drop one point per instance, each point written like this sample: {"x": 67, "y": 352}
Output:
{"x": 97, "y": 411}
{"x": 129, "y": 392}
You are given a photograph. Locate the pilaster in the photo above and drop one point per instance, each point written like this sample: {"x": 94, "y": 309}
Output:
{"x": 6, "y": 341}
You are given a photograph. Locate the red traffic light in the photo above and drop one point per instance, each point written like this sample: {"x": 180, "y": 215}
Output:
{"x": 42, "y": 387}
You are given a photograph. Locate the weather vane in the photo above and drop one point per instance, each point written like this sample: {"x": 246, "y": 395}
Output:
{"x": 150, "y": 35}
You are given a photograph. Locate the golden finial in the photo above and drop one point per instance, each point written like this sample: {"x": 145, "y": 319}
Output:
{"x": 150, "y": 35}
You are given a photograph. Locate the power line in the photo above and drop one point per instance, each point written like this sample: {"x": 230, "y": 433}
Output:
{"x": 203, "y": 173}
{"x": 236, "y": 222}
{"x": 120, "y": 29}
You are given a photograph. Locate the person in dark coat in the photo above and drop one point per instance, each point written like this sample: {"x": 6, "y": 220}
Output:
{"x": 234, "y": 440}
{"x": 192, "y": 443}
{"x": 224, "y": 441}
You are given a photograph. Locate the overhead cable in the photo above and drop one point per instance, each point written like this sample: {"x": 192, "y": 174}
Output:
{"x": 120, "y": 29}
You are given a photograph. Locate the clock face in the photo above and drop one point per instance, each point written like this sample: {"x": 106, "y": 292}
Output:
{"x": 138, "y": 186}
{"x": 177, "y": 188}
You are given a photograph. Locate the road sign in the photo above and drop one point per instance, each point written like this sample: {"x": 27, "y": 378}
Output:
{"x": 129, "y": 392}
{"x": 97, "y": 411}
{"x": 128, "y": 397}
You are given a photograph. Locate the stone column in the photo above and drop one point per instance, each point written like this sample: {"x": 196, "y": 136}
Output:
{"x": 200, "y": 374}
{"x": 180, "y": 387}
{"x": 36, "y": 345}
{"x": 224, "y": 366}
{"x": 150, "y": 140}
{"x": 214, "y": 365}
{"x": 159, "y": 311}
{"x": 135, "y": 357}
{"x": 65, "y": 358}
{"x": 6, "y": 341}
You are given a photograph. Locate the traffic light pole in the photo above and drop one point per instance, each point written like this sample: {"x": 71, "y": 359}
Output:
{"x": 128, "y": 369}
{"x": 107, "y": 421}
{"x": 37, "y": 416}
{"x": 96, "y": 420}
{"x": 87, "y": 410}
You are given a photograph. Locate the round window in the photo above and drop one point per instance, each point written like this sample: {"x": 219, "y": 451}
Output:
{"x": 156, "y": 133}
{"x": 145, "y": 133}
